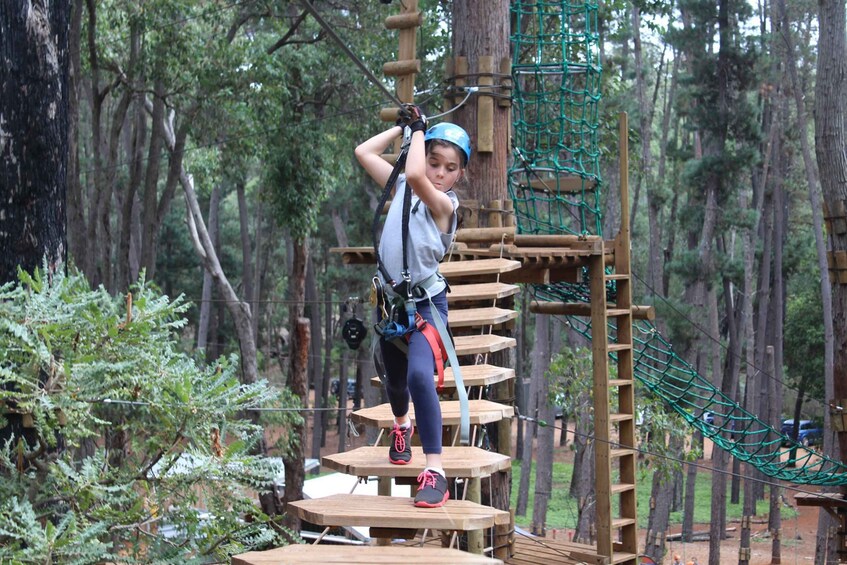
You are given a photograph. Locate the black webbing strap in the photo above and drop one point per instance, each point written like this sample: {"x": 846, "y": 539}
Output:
{"x": 407, "y": 204}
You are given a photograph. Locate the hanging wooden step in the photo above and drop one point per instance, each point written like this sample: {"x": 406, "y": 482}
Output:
{"x": 372, "y": 461}
{"x": 299, "y": 554}
{"x": 480, "y": 291}
{"x": 391, "y": 511}
{"x": 481, "y": 412}
{"x": 481, "y": 344}
{"x": 479, "y": 317}
{"x": 458, "y": 270}
{"x": 472, "y": 375}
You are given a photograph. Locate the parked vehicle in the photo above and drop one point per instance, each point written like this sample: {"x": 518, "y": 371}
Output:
{"x": 810, "y": 433}
{"x": 334, "y": 387}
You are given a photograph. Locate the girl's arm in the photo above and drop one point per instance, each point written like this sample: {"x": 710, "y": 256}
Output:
{"x": 438, "y": 202}
{"x": 368, "y": 153}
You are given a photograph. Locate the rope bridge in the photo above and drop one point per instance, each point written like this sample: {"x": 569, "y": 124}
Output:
{"x": 555, "y": 185}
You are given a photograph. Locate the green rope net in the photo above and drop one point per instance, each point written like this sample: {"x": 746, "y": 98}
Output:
{"x": 555, "y": 184}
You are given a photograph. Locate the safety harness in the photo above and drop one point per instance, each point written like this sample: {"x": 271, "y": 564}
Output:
{"x": 399, "y": 315}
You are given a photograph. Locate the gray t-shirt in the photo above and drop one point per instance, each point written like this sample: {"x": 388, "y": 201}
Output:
{"x": 427, "y": 244}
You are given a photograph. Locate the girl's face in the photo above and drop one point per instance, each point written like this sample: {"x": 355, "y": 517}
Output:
{"x": 443, "y": 166}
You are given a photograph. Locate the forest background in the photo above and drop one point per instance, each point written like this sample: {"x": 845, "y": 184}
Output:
{"x": 210, "y": 158}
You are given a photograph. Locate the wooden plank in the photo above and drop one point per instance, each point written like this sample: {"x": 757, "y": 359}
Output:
{"x": 482, "y": 343}
{"x": 481, "y": 412}
{"x": 472, "y": 375}
{"x": 299, "y": 554}
{"x": 584, "y": 309}
{"x": 461, "y": 462}
{"x": 824, "y": 499}
{"x": 481, "y": 291}
{"x": 457, "y": 269}
{"x": 478, "y": 317}
{"x": 388, "y": 511}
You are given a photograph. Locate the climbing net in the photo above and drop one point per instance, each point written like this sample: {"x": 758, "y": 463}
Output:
{"x": 555, "y": 185}
{"x": 555, "y": 177}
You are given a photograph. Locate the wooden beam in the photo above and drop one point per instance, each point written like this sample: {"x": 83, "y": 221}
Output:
{"x": 580, "y": 309}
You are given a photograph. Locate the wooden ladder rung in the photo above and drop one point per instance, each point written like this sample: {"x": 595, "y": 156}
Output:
{"x": 619, "y": 452}
{"x": 621, "y": 382}
{"x": 617, "y": 418}
{"x": 622, "y": 522}
{"x": 620, "y": 346}
{"x": 622, "y": 487}
{"x": 618, "y": 277}
{"x": 623, "y": 557}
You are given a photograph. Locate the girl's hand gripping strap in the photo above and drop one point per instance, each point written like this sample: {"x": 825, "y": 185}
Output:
{"x": 464, "y": 410}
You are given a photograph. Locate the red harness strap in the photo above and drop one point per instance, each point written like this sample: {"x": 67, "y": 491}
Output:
{"x": 435, "y": 343}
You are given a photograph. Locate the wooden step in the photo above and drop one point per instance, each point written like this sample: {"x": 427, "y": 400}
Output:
{"x": 622, "y": 522}
{"x": 620, "y": 346}
{"x": 482, "y": 343}
{"x": 618, "y": 277}
{"x": 478, "y": 317}
{"x": 481, "y": 291}
{"x": 455, "y": 270}
{"x": 472, "y": 375}
{"x": 621, "y": 452}
{"x": 461, "y": 462}
{"x": 391, "y": 511}
{"x": 481, "y": 412}
{"x": 616, "y": 418}
{"x": 299, "y": 554}
{"x": 618, "y": 488}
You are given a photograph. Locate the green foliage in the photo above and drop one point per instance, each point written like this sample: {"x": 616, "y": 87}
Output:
{"x": 804, "y": 338}
{"x": 136, "y": 453}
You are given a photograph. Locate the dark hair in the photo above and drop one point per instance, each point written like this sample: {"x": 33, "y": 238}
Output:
{"x": 444, "y": 143}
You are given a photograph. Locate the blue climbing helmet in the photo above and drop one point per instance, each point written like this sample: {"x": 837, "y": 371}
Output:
{"x": 456, "y": 135}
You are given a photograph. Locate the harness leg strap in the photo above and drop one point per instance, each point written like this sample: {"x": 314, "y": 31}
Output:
{"x": 465, "y": 419}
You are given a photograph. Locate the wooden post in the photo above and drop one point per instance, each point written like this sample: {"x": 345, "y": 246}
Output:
{"x": 485, "y": 106}
{"x": 475, "y": 537}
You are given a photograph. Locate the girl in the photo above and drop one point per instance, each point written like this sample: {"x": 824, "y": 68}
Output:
{"x": 436, "y": 161}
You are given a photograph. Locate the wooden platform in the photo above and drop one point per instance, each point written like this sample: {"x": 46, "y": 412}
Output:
{"x": 464, "y": 462}
{"x": 481, "y": 412}
{"x": 393, "y": 511}
{"x": 529, "y": 550}
{"x": 472, "y": 375}
{"x": 361, "y": 555}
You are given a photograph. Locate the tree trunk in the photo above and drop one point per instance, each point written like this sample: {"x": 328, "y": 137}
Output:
{"x": 34, "y": 127}
{"x": 539, "y": 345}
{"x": 298, "y": 374}
{"x": 34, "y": 100}
{"x": 483, "y": 39}
{"x": 206, "y": 298}
{"x": 77, "y": 243}
{"x": 544, "y": 465}
{"x": 248, "y": 290}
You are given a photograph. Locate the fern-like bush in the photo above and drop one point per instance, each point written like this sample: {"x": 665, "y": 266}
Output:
{"x": 126, "y": 450}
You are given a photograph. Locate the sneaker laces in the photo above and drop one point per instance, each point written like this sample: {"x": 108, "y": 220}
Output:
{"x": 427, "y": 479}
{"x": 399, "y": 438}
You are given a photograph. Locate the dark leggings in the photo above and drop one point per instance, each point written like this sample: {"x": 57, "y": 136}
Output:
{"x": 413, "y": 375}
